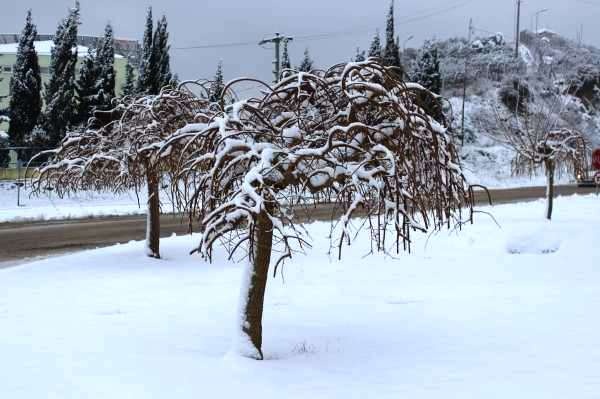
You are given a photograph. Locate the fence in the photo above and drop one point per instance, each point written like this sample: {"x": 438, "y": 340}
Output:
{"x": 17, "y": 168}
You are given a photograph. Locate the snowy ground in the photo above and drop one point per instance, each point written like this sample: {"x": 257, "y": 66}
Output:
{"x": 492, "y": 312}
{"x": 81, "y": 205}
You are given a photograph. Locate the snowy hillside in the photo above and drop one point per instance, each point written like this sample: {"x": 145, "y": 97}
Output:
{"x": 555, "y": 74}
{"x": 491, "y": 312}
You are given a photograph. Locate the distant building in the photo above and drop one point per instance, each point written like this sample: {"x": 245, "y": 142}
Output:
{"x": 124, "y": 49}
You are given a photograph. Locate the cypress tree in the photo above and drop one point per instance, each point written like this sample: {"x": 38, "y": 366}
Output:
{"x": 128, "y": 88}
{"x": 375, "y": 49}
{"x": 427, "y": 71}
{"x": 307, "y": 62}
{"x": 147, "y": 68}
{"x": 25, "y": 86}
{"x": 160, "y": 44}
{"x": 87, "y": 88}
{"x": 391, "y": 52}
{"x": 106, "y": 69}
{"x": 59, "y": 91}
{"x": 217, "y": 85}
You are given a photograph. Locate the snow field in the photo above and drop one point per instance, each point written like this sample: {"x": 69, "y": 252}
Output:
{"x": 460, "y": 316}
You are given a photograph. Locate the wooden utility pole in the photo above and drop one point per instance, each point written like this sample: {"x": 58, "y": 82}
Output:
{"x": 464, "y": 96}
{"x": 518, "y": 28}
{"x": 277, "y": 40}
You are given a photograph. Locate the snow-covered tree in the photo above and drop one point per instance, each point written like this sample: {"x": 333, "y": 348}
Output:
{"x": 427, "y": 70}
{"x": 391, "y": 52}
{"x": 148, "y": 64}
{"x": 105, "y": 58}
{"x": 217, "y": 85}
{"x": 87, "y": 88}
{"x": 118, "y": 152}
{"x": 128, "y": 88}
{"x": 375, "y": 48}
{"x": 60, "y": 89}
{"x": 540, "y": 141}
{"x": 25, "y": 86}
{"x": 352, "y": 137}
{"x": 307, "y": 63}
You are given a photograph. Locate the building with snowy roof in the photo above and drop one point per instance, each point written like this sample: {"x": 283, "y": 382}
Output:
{"x": 124, "y": 49}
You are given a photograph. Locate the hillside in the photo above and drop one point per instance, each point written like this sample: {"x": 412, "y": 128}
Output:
{"x": 555, "y": 76}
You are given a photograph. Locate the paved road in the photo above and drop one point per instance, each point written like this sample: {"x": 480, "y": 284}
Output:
{"x": 29, "y": 240}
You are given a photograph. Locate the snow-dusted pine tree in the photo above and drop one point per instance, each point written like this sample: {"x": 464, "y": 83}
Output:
{"x": 147, "y": 68}
{"x": 391, "y": 52}
{"x": 427, "y": 70}
{"x": 286, "y": 64}
{"x": 375, "y": 49}
{"x": 217, "y": 85}
{"x": 25, "y": 86}
{"x": 60, "y": 89}
{"x": 307, "y": 63}
{"x": 128, "y": 88}
{"x": 360, "y": 55}
{"x": 87, "y": 88}
{"x": 105, "y": 58}
{"x": 161, "y": 48}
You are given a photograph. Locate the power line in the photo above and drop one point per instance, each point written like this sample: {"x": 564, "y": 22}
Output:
{"x": 329, "y": 35}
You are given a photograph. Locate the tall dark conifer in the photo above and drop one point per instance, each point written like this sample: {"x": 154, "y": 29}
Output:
{"x": 25, "y": 85}
{"x": 147, "y": 68}
{"x": 87, "y": 88}
{"x": 59, "y": 91}
{"x": 106, "y": 69}
{"x": 217, "y": 85}
{"x": 427, "y": 71}
{"x": 161, "y": 56}
{"x": 391, "y": 52}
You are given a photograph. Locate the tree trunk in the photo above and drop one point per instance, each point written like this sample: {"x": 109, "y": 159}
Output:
{"x": 549, "y": 188}
{"x": 253, "y": 291}
{"x": 153, "y": 215}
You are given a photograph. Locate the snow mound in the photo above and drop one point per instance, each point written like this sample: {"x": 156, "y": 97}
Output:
{"x": 537, "y": 239}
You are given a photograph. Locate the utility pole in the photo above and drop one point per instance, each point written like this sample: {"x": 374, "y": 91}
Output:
{"x": 277, "y": 40}
{"x": 464, "y": 96}
{"x": 518, "y": 28}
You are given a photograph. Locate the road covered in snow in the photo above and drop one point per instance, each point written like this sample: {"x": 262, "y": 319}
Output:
{"x": 508, "y": 311}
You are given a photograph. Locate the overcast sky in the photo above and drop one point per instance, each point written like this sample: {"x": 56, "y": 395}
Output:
{"x": 207, "y": 22}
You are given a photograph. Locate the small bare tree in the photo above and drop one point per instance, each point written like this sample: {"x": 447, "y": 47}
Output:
{"x": 117, "y": 152}
{"x": 352, "y": 136}
{"x": 540, "y": 140}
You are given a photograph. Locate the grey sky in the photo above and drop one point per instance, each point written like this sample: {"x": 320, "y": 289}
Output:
{"x": 200, "y": 22}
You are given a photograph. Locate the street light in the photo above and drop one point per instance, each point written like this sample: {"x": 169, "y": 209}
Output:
{"x": 406, "y": 41}
{"x": 537, "y": 15}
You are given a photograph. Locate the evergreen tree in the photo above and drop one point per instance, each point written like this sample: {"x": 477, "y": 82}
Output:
{"x": 25, "y": 86}
{"x": 285, "y": 58}
{"x": 391, "y": 52}
{"x": 147, "y": 69}
{"x": 160, "y": 45}
{"x": 427, "y": 71}
{"x": 105, "y": 58}
{"x": 375, "y": 49}
{"x": 59, "y": 91}
{"x": 360, "y": 55}
{"x": 217, "y": 85}
{"x": 87, "y": 87}
{"x": 129, "y": 85}
{"x": 307, "y": 62}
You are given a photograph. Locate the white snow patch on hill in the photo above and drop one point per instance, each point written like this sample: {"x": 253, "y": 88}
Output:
{"x": 459, "y": 317}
